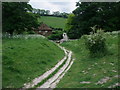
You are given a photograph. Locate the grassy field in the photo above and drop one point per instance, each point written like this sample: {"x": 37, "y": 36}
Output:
{"x": 56, "y": 22}
{"x": 26, "y": 59}
{"x": 99, "y": 72}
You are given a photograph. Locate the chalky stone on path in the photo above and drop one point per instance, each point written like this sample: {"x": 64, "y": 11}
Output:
{"x": 48, "y": 83}
{"x": 47, "y": 73}
{"x": 52, "y": 82}
{"x": 53, "y": 85}
{"x": 85, "y": 82}
{"x": 113, "y": 86}
{"x": 104, "y": 80}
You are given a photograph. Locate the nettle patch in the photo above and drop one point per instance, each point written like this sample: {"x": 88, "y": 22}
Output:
{"x": 96, "y": 42}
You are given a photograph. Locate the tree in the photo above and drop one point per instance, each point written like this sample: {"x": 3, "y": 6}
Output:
{"x": 56, "y": 35}
{"x": 64, "y": 15}
{"x": 71, "y": 28}
{"x": 47, "y": 12}
{"x": 57, "y": 13}
{"x": 42, "y": 12}
{"x": 88, "y": 14}
{"x": 17, "y": 17}
{"x": 35, "y": 11}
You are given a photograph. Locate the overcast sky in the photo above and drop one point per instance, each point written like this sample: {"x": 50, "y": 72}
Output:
{"x": 54, "y": 5}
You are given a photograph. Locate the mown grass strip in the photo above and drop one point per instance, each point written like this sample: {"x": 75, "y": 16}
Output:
{"x": 44, "y": 80}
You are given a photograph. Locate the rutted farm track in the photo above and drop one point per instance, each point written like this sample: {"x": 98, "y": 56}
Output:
{"x": 50, "y": 82}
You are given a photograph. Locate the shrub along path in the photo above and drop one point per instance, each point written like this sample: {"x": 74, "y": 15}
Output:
{"x": 92, "y": 72}
{"x": 63, "y": 66}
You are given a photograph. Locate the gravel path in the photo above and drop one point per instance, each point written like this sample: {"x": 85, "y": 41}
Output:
{"x": 48, "y": 83}
{"x": 56, "y": 78}
{"x": 53, "y": 85}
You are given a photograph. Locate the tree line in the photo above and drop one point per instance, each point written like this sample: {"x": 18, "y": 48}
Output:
{"x": 104, "y": 15}
{"x": 17, "y": 17}
{"x": 20, "y": 17}
{"x": 43, "y": 12}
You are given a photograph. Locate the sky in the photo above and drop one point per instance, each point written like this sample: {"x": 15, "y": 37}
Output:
{"x": 54, "y": 5}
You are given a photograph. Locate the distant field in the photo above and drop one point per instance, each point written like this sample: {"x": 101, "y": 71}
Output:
{"x": 56, "y": 22}
{"x": 98, "y": 72}
{"x": 26, "y": 59}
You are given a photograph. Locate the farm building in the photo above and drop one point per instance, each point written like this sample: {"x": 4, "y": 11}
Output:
{"x": 44, "y": 30}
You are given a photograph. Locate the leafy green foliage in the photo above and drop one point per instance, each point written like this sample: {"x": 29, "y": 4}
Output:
{"x": 58, "y": 14}
{"x": 41, "y": 12}
{"x": 57, "y": 35}
{"x": 88, "y": 14}
{"x": 95, "y": 42}
{"x": 71, "y": 28}
{"x": 17, "y": 17}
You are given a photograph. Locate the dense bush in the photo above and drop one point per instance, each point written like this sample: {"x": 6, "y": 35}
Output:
{"x": 57, "y": 35}
{"x": 95, "y": 42}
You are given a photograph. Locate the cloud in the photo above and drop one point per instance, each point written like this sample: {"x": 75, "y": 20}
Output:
{"x": 60, "y": 3}
{"x": 53, "y": 5}
{"x": 44, "y": 5}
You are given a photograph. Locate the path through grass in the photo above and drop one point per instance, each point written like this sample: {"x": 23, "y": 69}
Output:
{"x": 93, "y": 70}
{"x": 26, "y": 59}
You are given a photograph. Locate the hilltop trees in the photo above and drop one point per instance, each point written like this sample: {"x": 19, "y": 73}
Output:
{"x": 88, "y": 14}
{"x": 58, "y": 14}
{"x": 20, "y": 17}
{"x": 64, "y": 15}
{"x": 42, "y": 12}
{"x": 17, "y": 17}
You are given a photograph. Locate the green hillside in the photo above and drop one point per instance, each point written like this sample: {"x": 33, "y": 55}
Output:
{"x": 97, "y": 72}
{"x": 56, "y": 22}
{"x": 25, "y": 59}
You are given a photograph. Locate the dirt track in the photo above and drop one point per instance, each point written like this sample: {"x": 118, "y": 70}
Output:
{"x": 54, "y": 80}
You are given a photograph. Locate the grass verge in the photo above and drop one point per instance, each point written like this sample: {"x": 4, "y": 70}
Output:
{"x": 89, "y": 69}
{"x": 26, "y": 59}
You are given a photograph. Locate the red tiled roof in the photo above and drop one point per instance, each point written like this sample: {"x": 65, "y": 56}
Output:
{"x": 44, "y": 27}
